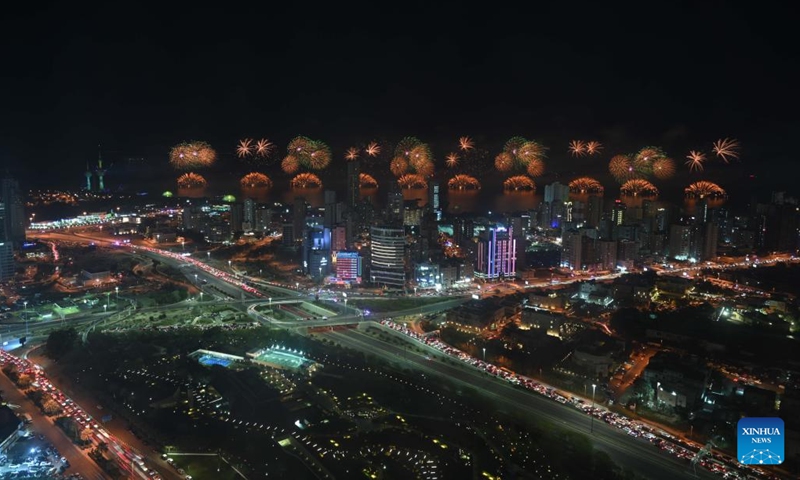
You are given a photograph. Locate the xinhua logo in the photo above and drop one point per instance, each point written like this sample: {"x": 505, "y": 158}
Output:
{"x": 759, "y": 441}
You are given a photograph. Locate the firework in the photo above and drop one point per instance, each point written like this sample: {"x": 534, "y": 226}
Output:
{"x": 351, "y": 154}
{"x": 726, "y": 149}
{"x": 513, "y": 145}
{"x": 191, "y": 180}
{"x": 531, "y": 151}
{"x": 367, "y": 181}
{"x": 585, "y": 185}
{"x": 695, "y": 160}
{"x": 255, "y": 180}
{"x": 593, "y": 147}
{"x": 290, "y": 164}
{"x": 663, "y": 168}
{"x": 309, "y": 153}
{"x": 398, "y": 166}
{"x": 704, "y": 189}
{"x": 519, "y": 183}
{"x": 504, "y": 161}
{"x": 577, "y": 148}
{"x": 263, "y": 148}
{"x": 373, "y": 149}
{"x": 463, "y": 182}
{"x": 535, "y": 168}
{"x": 412, "y": 181}
{"x": 621, "y": 168}
{"x": 466, "y": 143}
{"x": 638, "y": 187}
{"x": 188, "y": 155}
{"x": 306, "y": 180}
{"x": 245, "y": 148}
{"x": 451, "y": 160}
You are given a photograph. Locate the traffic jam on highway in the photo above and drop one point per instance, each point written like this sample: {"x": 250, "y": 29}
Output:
{"x": 713, "y": 461}
{"x": 126, "y": 458}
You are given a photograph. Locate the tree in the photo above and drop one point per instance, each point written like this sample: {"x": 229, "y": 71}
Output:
{"x": 86, "y": 435}
{"x": 24, "y": 381}
{"x": 60, "y": 342}
{"x": 11, "y": 371}
{"x": 51, "y": 407}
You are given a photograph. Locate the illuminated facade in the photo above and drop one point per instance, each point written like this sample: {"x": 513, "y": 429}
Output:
{"x": 497, "y": 254}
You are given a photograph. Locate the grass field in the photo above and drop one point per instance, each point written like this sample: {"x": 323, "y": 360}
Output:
{"x": 206, "y": 466}
{"x": 394, "y": 304}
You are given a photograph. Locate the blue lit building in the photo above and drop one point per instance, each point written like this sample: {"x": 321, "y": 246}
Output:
{"x": 497, "y": 254}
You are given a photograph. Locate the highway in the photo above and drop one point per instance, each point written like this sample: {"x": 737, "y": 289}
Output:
{"x": 634, "y": 453}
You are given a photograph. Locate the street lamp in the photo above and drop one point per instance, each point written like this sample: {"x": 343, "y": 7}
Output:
{"x": 208, "y": 255}
{"x": 105, "y": 308}
{"x": 116, "y": 290}
{"x": 484, "y": 354}
{"x": 25, "y": 312}
{"x": 594, "y": 385}
{"x": 297, "y": 285}
{"x": 195, "y": 278}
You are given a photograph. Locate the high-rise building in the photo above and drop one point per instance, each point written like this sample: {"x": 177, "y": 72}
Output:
{"x": 556, "y": 193}
{"x": 249, "y": 213}
{"x": 330, "y": 208}
{"x": 237, "y": 217}
{"x": 353, "y": 184}
{"x": 572, "y": 250}
{"x": 6, "y": 249}
{"x": 618, "y": 213}
{"x": 607, "y": 254}
{"x": 15, "y": 221}
{"x": 299, "y": 217}
{"x": 348, "y": 266}
{"x": 594, "y": 210}
{"x": 710, "y": 239}
{"x": 262, "y": 218}
{"x": 434, "y": 200}
{"x": 680, "y": 241}
{"x": 387, "y": 256}
{"x": 496, "y": 254}
{"x": 394, "y": 207}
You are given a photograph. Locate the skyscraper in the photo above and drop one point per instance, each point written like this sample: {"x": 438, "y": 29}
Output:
{"x": 299, "y": 218}
{"x": 497, "y": 253}
{"x": 618, "y": 213}
{"x": 387, "y": 256}
{"x": 250, "y": 213}
{"x": 353, "y": 184}
{"x": 14, "y": 219}
{"x": 434, "y": 200}
{"x": 6, "y": 250}
{"x": 556, "y": 192}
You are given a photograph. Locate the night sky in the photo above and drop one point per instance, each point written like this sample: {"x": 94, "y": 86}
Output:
{"x": 140, "y": 80}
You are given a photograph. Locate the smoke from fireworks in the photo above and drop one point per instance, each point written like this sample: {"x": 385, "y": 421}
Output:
{"x": 463, "y": 182}
{"x": 519, "y": 183}
{"x": 466, "y": 143}
{"x": 638, "y": 187}
{"x": 704, "y": 189}
{"x": 245, "y": 148}
{"x": 577, "y": 148}
{"x": 695, "y": 161}
{"x": 663, "y": 168}
{"x": 189, "y": 155}
{"x": 585, "y": 185}
{"x": 351, "y": 154}
{"x": 593, "y": 147}
{"x": 191, "y": 180}
{"x": 451, "y": 160}
{"x": 367, "y": 181}
{"x": 306, "y": 180}
{"x": 373, "y": 149}
{"x": 726, "y": 149}
{"x": 412, "y": 181}
{"x": 255, "y": 180}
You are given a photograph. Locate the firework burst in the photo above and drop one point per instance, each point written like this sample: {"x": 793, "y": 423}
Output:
{"x": 463, "y": 182}
{"x": 637, "y": 187}
{"x": 621, "y": 168}
{"x": 373, "y": 149}
{"x": 593, "y": 147}
{"x": 504, "y": 161}
{"x": 577, "y": 148}
{"x": 521, "y": 154}
{"x": 351, "y": 154}
{"x": 726, "y": 149}
{"x": 585, "y": 185}
{"x": 535, "y": 168}
{"x": 465, "y": 144}
{"x": 695, "y": 160}
{"x": 191, "y": 180}
{"x": 663, "y": 168}
{"x": 451, "y": 160}
{"x": 290, "y": 164}
{"x": 244, "y": 148}
{"x": 704, "y": 189}
{"x": 367, "y": 181}
{"x": 255, "y": 180}
{"x": 306, "y": 180}
{"x": 519, "y": 183}
{"x": 412, "y": 181}
{"x": 312, "y": 154}
{"x": 264, "y": 148}
{"x": 398, "y": 166}
{"x": 417, "y": 156}
{"x": 189, "y": 155}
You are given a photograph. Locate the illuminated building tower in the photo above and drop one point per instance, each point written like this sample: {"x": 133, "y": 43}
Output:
{"x": 497, "y": 254}
{"x": 6, "y": 249}
{"x": 434, "y": 200}
{"x": 100, "y": 171}
{"x": 618, "y": 213}
{"x": 387, "y": 256}
{"x": 88, "y": 175}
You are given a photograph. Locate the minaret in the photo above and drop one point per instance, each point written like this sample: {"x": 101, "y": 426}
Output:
{"x": 100, "y": 171}
{"x": 88, "y": 178}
